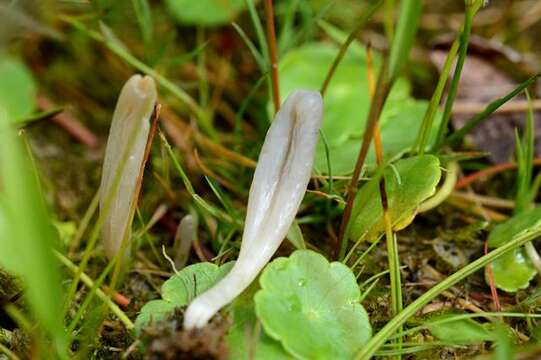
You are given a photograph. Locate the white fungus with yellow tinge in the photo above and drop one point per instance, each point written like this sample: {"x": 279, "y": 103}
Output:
{"x": 280, "y": 180}
{"x": 124, "y": 156}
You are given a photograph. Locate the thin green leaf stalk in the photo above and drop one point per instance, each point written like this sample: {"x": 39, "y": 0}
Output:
{"x": 90, "y": 283}
{"x": 392, "y": 326}
{"x": 428, "y": 119}
{"x": 388, "y": 19}
{"x": 394, "y": 269}
{"x": 404, "y": 36}
{"x": 178, "y": 92}
{"x": 367, "y": 14}
{"x": 260, "y": 33}
{"x": 453, "y": 89}
{"x": 457, "y": 136}
{"x": 202, "y": 72}
{"x": 525, "y": 156}
{"x": 393, "y": 258}
{"x": 10, "y": 354}
{"x": 459, "y": 317}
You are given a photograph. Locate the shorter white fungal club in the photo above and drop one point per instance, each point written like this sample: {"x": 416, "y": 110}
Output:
{"x": 184, "y": 237}
{"x": 280, "y": 180}
{"x": 124, "y": 156}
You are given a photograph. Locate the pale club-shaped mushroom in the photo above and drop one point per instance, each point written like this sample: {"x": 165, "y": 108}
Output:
{"x": 280, "y": 180}
{"x": 124, "y": 157}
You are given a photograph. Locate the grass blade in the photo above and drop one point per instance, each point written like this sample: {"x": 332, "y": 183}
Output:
{"x": 32, "y": 237}
{"x": 392, "y": 326}
{"x": 343, "y": 49}
{"x": 457, "y": 137}
{"x": 453, "y": 89}
{"x": 406, "y": 28}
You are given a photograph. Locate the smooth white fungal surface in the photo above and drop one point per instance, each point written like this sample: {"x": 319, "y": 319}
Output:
{"x": 127, "y": 140}
{"x": 279, "y": 184}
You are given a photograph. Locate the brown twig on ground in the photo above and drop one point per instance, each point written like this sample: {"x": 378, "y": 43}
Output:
{"x": 485, "y": 200}
{"x": 475, "y": 209}
{"x": 465, "y": 181}
{"x": 271, "y": 39}
{"x": 466, "y": 107}
{"x": 69, "y": 123}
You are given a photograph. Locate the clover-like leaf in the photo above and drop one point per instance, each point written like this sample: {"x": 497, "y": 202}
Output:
{"x": 312, "y": 307}
{"x": 408, "y": 182}
{"x": 180, "y": 289}
{"x": 204, "y": 12}
{"x": 17, "y": 89}
{"x": 347, "y": 102}
{"x": 513, "y": 271}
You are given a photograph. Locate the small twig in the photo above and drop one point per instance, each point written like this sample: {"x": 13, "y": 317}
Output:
{"x": 476, "y": 209}
{"x": 69, "y": 123}
{"x": 271, "y": 39}
{"x": 468, "y": 107}
{"x": 485, "y": 200}
{"x": 465, "y": 181}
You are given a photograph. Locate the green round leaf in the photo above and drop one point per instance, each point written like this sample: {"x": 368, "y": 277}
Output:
{"x": 507, "y": 230}
{"x": 17, "y": 89}
{"x": 204, "y": 12}
{"x": 513, "y": 271}
{"x": 191, "y": 281}
{"x": 312, "y": 307}
{"x": 408, "y": 183}
{"x": 347, "y": 103}
{"x": 246, "y": 339}
{"x": 180, "y": 289}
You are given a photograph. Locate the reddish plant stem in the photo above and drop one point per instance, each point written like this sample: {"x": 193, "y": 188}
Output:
{"x": 117, "y": 297}
{"x": 493, "y": 290}
{"x": 466, "y": 180}
{"x": 380, "y": 95}
{"x": 371, "y": 90}
{"x": 271, "y": 40}
{"x": 148, "y": 146}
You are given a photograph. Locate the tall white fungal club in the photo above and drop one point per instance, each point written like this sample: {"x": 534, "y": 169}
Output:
{"x": 124, "y": 153}
{"x": 280, "y": 180}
